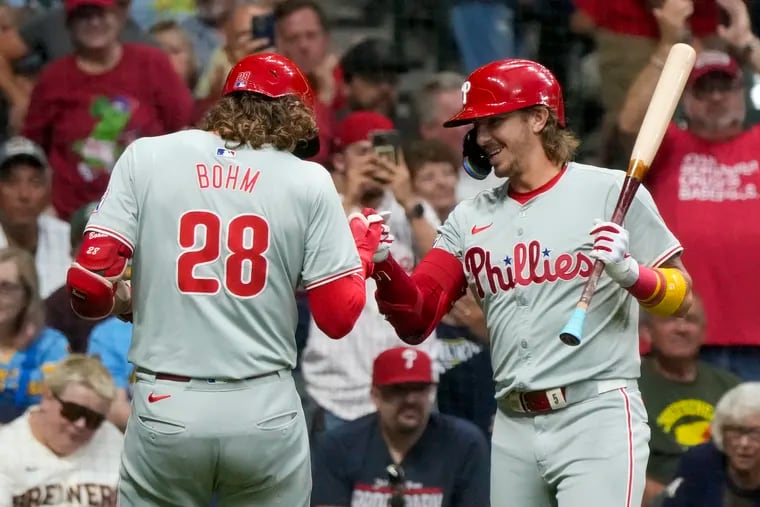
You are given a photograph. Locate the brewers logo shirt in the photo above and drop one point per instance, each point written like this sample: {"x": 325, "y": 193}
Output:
{"x": 37, "y": 476}
{"x": 350, "y": 466}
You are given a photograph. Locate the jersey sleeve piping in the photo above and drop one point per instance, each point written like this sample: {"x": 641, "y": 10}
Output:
{"x": 114, "y": 234}
{"x": 335, "y": 276}
{"x": 670, "y": 252}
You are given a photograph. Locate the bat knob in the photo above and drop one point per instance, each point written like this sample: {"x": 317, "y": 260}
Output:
{"x": 569, "y": 339}
{"x": 571, "y": 334}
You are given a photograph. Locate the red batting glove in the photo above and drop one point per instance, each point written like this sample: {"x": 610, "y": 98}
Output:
{"x": 367, "y": 229}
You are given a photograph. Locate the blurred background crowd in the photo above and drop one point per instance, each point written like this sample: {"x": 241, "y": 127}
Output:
{"x": 81, "y": 79}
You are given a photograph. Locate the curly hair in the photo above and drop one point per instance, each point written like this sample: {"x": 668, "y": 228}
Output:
{"x": 245, "y": 118}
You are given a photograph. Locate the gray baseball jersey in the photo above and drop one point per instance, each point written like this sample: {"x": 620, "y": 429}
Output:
{"x": 221, "y": 240}
{"x": 528, "y": 264}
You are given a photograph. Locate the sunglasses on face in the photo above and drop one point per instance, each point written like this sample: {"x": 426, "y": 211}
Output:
{"x": 73, "y": 412}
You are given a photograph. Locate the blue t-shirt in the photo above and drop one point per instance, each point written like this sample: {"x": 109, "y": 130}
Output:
{"x": 21, "y": 374}
{"x": 466, "y": 388}
{"x": 110, "y": 341}
{"x": 447, "y": 467}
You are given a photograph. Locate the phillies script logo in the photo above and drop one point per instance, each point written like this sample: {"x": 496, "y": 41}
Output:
{"x": 529, "y": 264}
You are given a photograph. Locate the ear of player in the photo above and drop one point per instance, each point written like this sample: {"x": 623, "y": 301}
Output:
{"x": 94, "y": 280}
{"x": 661, "y": 291}
{"x": 372, "y": 237}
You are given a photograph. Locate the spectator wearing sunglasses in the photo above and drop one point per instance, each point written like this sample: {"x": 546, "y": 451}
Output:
{"x": 64, "y": 452}
{"x": 27, "y": 347}
{"x": 404, "y": 454}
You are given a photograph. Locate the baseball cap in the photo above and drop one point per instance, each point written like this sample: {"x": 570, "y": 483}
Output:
{"x": 18, "y": 146}
{"x": 403, "y": 365}
{"x": 72, "y": 5}
{"x": 374, "y": 58}
{"x": 357, "y": 126}
{"x": 710, "y": 61}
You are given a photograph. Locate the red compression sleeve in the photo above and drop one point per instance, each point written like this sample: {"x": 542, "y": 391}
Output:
{"x": 335, "y": 306}
{"x": 415, "y": 304}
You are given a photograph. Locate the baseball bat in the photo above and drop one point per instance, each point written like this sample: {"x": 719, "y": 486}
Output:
{"x": 667, "y": 94}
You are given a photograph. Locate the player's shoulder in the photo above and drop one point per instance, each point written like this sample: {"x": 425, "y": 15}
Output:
{"x": 483, "y": 199}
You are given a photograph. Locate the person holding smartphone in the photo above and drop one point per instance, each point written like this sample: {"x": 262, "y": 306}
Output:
{"x": 337, "y": 374}
{"x": 249, "y": 29}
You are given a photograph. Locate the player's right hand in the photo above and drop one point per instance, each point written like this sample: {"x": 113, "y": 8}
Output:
{"x": 611, "y": 247}
{"x": 367, "y": 229}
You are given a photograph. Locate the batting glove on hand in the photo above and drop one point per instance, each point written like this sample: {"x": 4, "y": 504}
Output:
{"x": 611, "y": 247}
{"x": 371, "y": 236}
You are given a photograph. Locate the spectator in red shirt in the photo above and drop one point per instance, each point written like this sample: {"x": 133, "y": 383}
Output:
{"x": 705, "y": 181}
{"x": 626, "y": 33}
{"x": 88, "y": 106}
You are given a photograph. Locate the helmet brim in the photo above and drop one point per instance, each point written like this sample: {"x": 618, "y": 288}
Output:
{"x": 463, "y": 117}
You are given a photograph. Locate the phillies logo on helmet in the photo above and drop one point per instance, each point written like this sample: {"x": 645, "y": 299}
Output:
{"x": 241, "y": 81}
{"x": 466, "y": 86}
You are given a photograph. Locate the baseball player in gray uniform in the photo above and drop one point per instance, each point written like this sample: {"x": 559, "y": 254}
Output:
{"x": 571, "y": 429}
{"x": 222, "y": 224}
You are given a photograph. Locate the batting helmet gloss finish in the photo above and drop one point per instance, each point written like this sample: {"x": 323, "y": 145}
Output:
{"x": 505, "y": 86}
{"x": 271, "y": 75}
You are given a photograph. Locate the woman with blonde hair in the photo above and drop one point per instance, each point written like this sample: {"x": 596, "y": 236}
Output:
{"x": 65, "y": 440}
{"x": 27, "y": 347}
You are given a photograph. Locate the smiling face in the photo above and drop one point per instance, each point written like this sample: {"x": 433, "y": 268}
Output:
{"x": 436, "y": 183}
{"x": 509, "y": 139}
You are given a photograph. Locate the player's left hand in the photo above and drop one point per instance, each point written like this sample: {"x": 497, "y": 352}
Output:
{"x": 611, "y": 247}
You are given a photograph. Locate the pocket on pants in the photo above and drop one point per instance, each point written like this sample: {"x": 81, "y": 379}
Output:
{"x": 278, "y": 421}
{"x": 160, "y": 425}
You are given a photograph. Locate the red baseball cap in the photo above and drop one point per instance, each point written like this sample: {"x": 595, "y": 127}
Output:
{"x": 72, "y": 5}
{"x": 357, "y": 126}
{"x": 710, "y": 61}
{"x": 403, "y": 365}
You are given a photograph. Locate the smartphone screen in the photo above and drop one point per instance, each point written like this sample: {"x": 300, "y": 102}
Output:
{"x": 386, "y": 143}
{"x": 262, "y": 27}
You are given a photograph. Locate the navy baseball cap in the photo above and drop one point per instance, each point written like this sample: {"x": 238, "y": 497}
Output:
{"x": 403, "y": 365}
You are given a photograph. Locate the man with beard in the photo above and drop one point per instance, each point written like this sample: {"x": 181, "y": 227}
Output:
{"x": 404, "y": 454}
{"x": 705, "y": 181}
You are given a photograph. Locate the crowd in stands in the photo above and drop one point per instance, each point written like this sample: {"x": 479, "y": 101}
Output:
{"x": 81, "y": 79}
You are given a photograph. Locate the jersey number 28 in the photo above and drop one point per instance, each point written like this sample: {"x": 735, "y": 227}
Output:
{"x": 245, "y": 267}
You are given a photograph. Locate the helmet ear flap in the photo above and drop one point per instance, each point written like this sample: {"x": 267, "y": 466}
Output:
{"x": 307, "y": 148}
{"x": 475, "y": 160}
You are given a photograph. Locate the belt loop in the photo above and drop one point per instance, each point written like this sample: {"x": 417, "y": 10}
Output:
{"x": 145, "y": 376}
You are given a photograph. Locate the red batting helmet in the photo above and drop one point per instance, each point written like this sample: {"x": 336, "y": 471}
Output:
{"x": 269, "y": 74}
{"x": 505, "y": 86}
